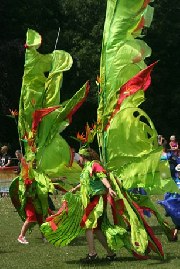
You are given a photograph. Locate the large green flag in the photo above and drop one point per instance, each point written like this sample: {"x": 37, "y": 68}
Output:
{"x": 42, "y": 117}
{"x": 126, "y": 135}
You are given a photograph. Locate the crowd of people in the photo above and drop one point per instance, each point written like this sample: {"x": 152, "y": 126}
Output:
{"x": 171, "y": 152}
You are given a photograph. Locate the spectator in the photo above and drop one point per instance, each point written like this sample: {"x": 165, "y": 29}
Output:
{"x": 166, "y": 155}
{"x": 162, "y": 141}
{"x": 6, "y": 158}
{"x": 173, "y": 145}
{"x": 178, "y": 157}
{"x": 172, "y": 164}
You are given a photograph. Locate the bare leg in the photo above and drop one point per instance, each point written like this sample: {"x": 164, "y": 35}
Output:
{"x": 25, "y": 227}
{"x": 102, "y": 239}
{"x": 90, "y": 241}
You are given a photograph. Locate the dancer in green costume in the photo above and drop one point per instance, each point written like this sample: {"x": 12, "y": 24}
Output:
{"x": 94, "y": 187}
{"x": 41, "y": 120}
{"x": 87, "y": 211}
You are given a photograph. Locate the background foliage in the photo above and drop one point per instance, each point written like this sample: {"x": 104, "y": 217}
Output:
{"x": 81, "y": 27}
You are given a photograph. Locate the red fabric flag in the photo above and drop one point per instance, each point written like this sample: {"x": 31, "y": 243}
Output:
{"x": 140, "y": 81}
{"x": 39, "y": 114}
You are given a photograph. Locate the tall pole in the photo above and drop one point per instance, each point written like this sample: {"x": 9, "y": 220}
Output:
{"x": 57, "y": 38}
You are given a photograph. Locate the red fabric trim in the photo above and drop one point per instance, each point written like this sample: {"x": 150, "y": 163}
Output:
{"x": 62, "y": 208}
{"x": 146, "y": 2}
{"x": 140, "y": 24}
{"x": 53, "y": 226}
{"x": 151, "y": 246}
{"x": 149, "y": 229}
{"x": 27, "y": 181}
{"x": 117, "y": 207}
{"x": 110, "y": 199}
{"x": 77, "y": 106}
{"x": 140, "y": 257}
{"x": 39, "y": 114}
{"x": 121, "y": 208}
{"x": 88, "y": 210}
{"x": 50, "y": 219}
{"x": 31, "y": 215}
{"x": 140, "y": 81}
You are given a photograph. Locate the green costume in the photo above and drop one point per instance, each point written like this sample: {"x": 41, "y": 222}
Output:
{"x": 41, "y": 120}
{"x": 87, "y": 209}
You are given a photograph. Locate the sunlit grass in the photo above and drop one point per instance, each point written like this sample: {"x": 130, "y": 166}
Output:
{"x": 39, "y": 255}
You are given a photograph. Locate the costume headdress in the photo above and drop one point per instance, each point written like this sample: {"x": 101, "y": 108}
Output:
{"x": 86, "y": 139}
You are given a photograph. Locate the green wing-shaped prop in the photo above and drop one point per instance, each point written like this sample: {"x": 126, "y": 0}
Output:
{"x": 126, "y": 135}
{"x": 42, "y": 118}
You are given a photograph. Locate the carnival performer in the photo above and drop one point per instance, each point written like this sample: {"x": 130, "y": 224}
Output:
{"x": 30, "y": 198}
{"x": 94, "y": 185}
{"x": 32, "y": 216}
{"x": 88, "y": 210}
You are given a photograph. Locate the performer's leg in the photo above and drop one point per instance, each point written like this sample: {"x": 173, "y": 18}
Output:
{"x": 30, "y": 218}
{"x": 25, "y": 227}
{"x": 90, "y": 241}
{"x": 102, "y": 239}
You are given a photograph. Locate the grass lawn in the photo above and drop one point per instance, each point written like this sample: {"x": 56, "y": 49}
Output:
{"x": 39, "y": 255}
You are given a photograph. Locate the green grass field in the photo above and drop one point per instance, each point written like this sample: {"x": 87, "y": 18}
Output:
{"x": 39, "y": 255}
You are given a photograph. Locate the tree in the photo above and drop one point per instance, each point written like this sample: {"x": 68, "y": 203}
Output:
{"x": 81, "y": 27}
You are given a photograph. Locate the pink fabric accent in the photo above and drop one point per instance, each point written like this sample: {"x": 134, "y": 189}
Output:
{"x": 96, "y": 168}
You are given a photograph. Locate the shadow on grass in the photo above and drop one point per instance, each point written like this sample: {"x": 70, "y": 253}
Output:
{"x": 79, "y": 241}
{"x": 103, "y": 261}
